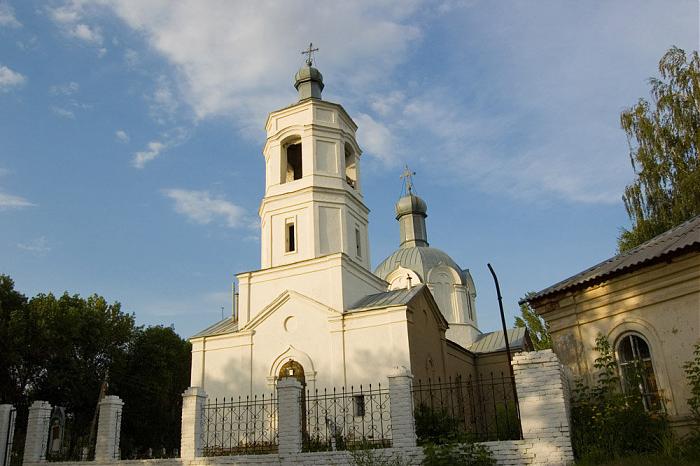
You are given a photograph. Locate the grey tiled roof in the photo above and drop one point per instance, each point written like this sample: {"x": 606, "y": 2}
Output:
{"x": 494, "y": 341}
{"x": 684, "y": 237}
{"x": 227, "y": 325}
{"x": 386, "y": 299}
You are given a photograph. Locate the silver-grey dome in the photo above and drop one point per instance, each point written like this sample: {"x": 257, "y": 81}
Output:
{"x": 420, "y": 259}
{"x": 410, "y": 204}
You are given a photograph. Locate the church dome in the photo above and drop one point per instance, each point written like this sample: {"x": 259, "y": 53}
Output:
{"x": 307, "y": 73}
{"x": 411, "y": 204}
{"x": 308, "y": 82}
{"x": 420, "y": 259}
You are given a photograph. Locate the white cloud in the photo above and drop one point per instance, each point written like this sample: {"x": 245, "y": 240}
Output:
{"x": 69, "y": 88}
{"x": 377, "y": 139}
{"x": 63, "y": 112}
{"x": 153, "y": 150}
{"x": 69, "y": 18}
{"x": 9, "y": 201}
{"x": 10, "y": 79}
{"x": 7, "y": 16}
{"x": 131, "y": 57}
{"x": 38, "y": 246}
{"x": 86, "y": 33}
{"x": 203, "y": 208}
{"x": 122, "y": 136}
{"x": 163, "y": 102}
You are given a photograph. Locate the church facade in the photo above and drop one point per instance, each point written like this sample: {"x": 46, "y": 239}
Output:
{"x": 315, "y": 309}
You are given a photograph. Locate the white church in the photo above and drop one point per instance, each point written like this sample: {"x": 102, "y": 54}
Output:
{"x": 315, "y": 309}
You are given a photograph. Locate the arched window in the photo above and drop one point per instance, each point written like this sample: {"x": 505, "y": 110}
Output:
{"x": 291, "y": 162}
{"x": 350, "y": 167}
{"x": 637, "y": 371}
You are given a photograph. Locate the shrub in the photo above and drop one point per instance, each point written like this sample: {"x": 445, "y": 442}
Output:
{"x": 457, "y": 454}
{"x": 607, "y": 423}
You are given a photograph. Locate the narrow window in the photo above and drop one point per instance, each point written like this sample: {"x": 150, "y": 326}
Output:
{"x": 290, "y": 237}
{"x": 293, "y": 153}
{"x": 358, "y": 405}
{"x": 350, "y": 167}
{"x": 637, "y": 372}
{"x": 358, "y": 242}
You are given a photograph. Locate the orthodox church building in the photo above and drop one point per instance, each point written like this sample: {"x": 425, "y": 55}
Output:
{"x": 315, "y": 309}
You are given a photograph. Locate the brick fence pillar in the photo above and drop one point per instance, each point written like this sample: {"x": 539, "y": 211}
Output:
{"x": 289, "y": 415}
{"x": 403, "y": 427}
{"x": 108, "y": 429}
{"x": 37, "y": 437}
{"x": 7, "y": 431}
{"x": 193, "y": 401}
{"x": 542, "y": 396}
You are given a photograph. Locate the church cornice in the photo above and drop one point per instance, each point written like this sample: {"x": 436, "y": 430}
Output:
{"x": 347, "y": 193}
{"x": 310, "y": 103}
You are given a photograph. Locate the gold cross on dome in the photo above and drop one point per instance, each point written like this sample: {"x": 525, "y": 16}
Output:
{"x": 406, "y": 176}
{"x": 309, "y": 52}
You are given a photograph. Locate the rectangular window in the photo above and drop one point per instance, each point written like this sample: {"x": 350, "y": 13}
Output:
{"x": 358, "y": 242}
{"x": 358, "y": 405}
{"x": 290, "y": 236}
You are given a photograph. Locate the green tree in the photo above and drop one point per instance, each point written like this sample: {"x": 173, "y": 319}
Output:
{"x": 536, "y": 326}
{"x": 11, "y": 303}
{"x": 663, "y": 137}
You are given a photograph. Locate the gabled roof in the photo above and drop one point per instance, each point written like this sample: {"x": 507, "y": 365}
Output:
{"x": 386, "y": 299}
{"x": 227, "y": 325}
{"x": 493, "y": 341}
{"x": 679, "y": 240}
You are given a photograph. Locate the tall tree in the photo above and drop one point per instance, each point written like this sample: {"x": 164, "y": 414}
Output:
{"x": 535, "y": 325}
{"x": 664, "y": 137}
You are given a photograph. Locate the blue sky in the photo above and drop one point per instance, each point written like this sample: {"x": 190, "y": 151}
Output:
{"x": 131, "y": 135}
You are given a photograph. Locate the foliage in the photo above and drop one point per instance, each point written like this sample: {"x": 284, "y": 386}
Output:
{"x": 366, "y": 454}
{"x": 457, "y": 454}
{"x": 62, "y": 349}
{"x": 436, "y": 426}
{"x": 535, "y": 325}
{"x": 663, "y": 137}
{"x": 607, "y": 423}
{"x": 692, "y": 373}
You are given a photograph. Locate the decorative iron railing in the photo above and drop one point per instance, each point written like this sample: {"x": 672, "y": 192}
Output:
{"x": 466, "y": 409}
{"x": 345, "y": 419}
{"x": 237, "y": 427}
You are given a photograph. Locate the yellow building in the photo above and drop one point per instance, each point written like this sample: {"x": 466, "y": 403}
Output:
{"x": 647, "y": 302}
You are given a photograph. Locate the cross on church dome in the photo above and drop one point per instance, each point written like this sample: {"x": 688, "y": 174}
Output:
{"x": 407, "y": 179}
{"x": 309, "y": 53}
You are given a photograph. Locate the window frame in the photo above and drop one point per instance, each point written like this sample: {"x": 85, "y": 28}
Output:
{"x": 650, "y": 397}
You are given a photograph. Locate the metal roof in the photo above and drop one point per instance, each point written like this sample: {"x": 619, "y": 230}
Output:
{"x": 493, "y": 341}
{"x": 228, "y": 325}
{"x": 420, "y": 259}
{"x": 386, "y": 299}
{"x": 684, "y": 237}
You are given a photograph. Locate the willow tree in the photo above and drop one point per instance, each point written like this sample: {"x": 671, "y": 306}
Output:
{"x": 663, "y": 137}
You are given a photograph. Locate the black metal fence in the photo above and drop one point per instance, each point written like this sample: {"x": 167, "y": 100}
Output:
{"x": 68, "y": 440}
{"x": 238, "y": 427}
{"x": 9, "y": 441}
{"x": 466, "y": 409}
{"x": 341, "y": 420}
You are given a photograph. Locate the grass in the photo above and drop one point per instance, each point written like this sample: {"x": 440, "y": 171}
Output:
{"x": 642, "y": 460}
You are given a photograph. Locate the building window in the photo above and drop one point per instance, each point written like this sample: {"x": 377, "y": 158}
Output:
{"x": 358, "y": 405}
{"x": 292, "y": 163}
{"x": 290, "y": 236}
{"x": 350, "y": 167}
{"x": 358, "y": 242}
{"x": 637, "y": 371}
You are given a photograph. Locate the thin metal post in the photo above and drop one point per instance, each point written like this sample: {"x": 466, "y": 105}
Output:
{"x": 505, "y": 337}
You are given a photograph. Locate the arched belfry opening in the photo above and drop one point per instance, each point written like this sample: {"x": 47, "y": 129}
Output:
{"x": 291, "y": 162}
{"x": 350, "y": 166}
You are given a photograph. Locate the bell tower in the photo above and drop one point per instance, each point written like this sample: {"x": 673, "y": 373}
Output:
{"x": 313, "y": 204}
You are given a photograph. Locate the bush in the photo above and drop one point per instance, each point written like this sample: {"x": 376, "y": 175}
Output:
{"x": 458, "y": 454}
{"x": 606, "y": 423}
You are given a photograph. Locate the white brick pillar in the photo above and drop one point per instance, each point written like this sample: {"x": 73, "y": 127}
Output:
{"x": 403, "y": 427}
{"x": 289, "y": 415}
{"x": 542, "y": 396}
{"x": 193, "y": 401}
{"x": 7, "y": 430}
{"x": 108, "y": 429}
{"x": 37, "y": 432}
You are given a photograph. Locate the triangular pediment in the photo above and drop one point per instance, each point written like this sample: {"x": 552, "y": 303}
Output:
{"x": 284, "y": 298}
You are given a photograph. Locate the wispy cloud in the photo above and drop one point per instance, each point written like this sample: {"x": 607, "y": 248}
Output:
{"x": 38, "y": 246}
{"x": 70, "y": 20}
{"x": 122, "y": 136}
{"x": 7, "y": 16}
{"x": 63, "y": 112}
{"x": 153, "y": 150}
{"x": 10, "y": 79}
{"x": 204, "y": 208}
{"x": 66, "y": 89}
{"x": 9, "y": 201}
